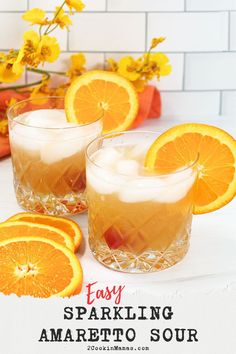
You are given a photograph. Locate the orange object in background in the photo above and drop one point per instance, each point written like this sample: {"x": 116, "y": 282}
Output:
{"x": 4, "y": 146}
{"x": 149, "y": 105}
{"x": 5, "y": 97}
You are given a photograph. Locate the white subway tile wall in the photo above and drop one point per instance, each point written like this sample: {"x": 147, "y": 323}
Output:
{"x": 108, "y": 32}
{"x": 49, "y": 5}
{"x": 229, "y": 103}
{"x": 190, "y": 32}
{"x": 190, "y": 103}
{"x": 200, "y": 43}
{"x": 210, "y": 71}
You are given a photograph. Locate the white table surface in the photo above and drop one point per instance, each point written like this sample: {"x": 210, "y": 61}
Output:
{"x": 211, "y": 260}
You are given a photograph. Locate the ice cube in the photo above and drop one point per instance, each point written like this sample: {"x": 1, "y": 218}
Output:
{"x": 106, "y": 157}
{"x": 140, "y": 190}
{"x": 59, "y": 149}
{"x": 139, "y": 151}
{"x": 127, "y": 167}
{"x": 158, "y": 189}
{"x": 104, "y": 181}
{"x": 43, "y": 118}
{"x": 176, "y": 188}
{"x": 27, "y": 138}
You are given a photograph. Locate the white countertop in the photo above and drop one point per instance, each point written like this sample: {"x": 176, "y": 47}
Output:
{"x": 211, "y": 260}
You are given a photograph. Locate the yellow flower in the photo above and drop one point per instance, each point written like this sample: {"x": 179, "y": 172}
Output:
{"x": 48, "y": 49}
{"x": 156, "y": 41}
{"x": 127, "y": 67}
{"x": 156, "y": 64}
{"x": 2, "y": 57}
{"x": 10, "y": 71}
{"x": 62, "y": 19}
{"x": 162, "y": 62}
{"x": 139, "y": 85}
{"x": 112, "y": 65}
{"x": 36, "y": 16}
{"x": 3, "y": 126}
{"x": 36, "y": 50}
{"x": 77, "y": 5}
{"x": 59, "y": 91}
{"x": 78, "y": 61}
{"x": 41, "y": 91}
{"x": 12, "y": 101}
{"x": 27, "y": 53}
{"x": 77, "y": 66}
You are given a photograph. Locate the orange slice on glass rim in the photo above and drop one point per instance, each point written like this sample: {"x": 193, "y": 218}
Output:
{"x": 68, "y": 226}
{"x": 14, "y": 229}
{"x": 179, "y": 146}
{"x": 38, "y": 267}
{"x": 102, "y": 93}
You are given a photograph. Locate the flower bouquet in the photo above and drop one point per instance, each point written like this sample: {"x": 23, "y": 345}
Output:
{"x": 39, "y": 46}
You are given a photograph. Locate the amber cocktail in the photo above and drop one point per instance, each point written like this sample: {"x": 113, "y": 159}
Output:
{"x": 138, "y": 221}
{"x": 48, "y": 156}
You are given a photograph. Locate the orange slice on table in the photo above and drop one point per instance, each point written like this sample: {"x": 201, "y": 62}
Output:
{"x": 38, "y": 267}
{"x": 179, "y": 147}
{"x": 98, "y": 93}
{"x": 14, "y": 229}
{"x": 68, "y": 226}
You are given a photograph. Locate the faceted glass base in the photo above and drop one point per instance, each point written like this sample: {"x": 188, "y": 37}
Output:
{"x": 148, "y": 261}
{"x": 72, "y": 203}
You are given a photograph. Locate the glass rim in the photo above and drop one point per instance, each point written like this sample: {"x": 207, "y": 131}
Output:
{"x": 150, "y": 132}
{"x": 10, "y": 109}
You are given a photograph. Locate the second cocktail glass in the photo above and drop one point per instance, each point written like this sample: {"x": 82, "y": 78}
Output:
{"x": 138, "y": 221}
{"x": 48, "y": 156}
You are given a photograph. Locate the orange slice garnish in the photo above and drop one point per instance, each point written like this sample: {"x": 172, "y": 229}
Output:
{"x": 179, "y": 147}
{"x": 66, "y": 225}
{"x": 98, "y": 93}
{"x": 14, "y": 229}
{"x": 38, "y": 267}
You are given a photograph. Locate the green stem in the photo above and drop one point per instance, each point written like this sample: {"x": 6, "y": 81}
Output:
{"x": 55, "y": 16}
{"x": 39, "y": 71}
{"x": 35, "y": 83}
{"x": 46, "y": 72}
{"x": 17, "y": 87}
{"x": 62, "y": 73}
{"x": 40, "y": 31}
{"x": 146, "y": 60}
{"x": 53, "y": 29}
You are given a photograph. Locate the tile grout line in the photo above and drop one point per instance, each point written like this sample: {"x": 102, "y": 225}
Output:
{"x": 185, "y": 5}
{"x": 106, "y": 6}
{"x": 26, "y": 74}
{"x": 130, "y": 12}
{"x": 184, "y": 72}
{"x": 68, "y": 41}
{"x": 197, "y": 91}
{"x": 229, "y": 29}
{"x": 146, "y": 31}
{"x": 104, "y": 60}
{"x": 221, "y": 103}
{"x": 137, "y": 52}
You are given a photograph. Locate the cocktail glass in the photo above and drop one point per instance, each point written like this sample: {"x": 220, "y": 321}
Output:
{"x": 138, "y": 221}
{"x": 48, "y": 156}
